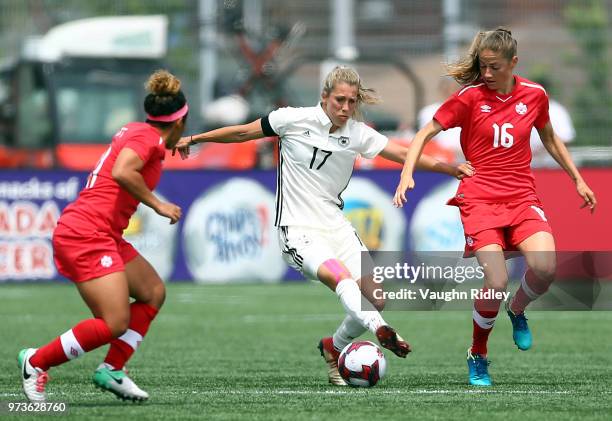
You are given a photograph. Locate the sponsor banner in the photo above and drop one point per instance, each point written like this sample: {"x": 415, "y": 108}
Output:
{"x": 227, "y": 233}
{"x": 369, "y": 207}
{"x": 227, "y": 230}
{"x": 154, "y": 238}
{"x": 436, "y": 226}
{"x": 30, "y": 204}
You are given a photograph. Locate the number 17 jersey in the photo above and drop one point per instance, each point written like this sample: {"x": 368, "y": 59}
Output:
{"x": 315, "y": 166}
{"x": 495, "y": 133}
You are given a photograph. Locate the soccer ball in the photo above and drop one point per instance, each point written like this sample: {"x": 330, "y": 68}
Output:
{"x": 362, "y": 364}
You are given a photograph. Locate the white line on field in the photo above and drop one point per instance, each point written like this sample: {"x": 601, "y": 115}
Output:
{"x": 348, "y": 391}
{"x": 381, "y": 392}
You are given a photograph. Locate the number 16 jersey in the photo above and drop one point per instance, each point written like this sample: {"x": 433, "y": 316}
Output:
{"x": 315, "y": 166}
{"x": 495, "y": 133}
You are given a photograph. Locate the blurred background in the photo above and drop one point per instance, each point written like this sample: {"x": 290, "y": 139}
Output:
{"x": 72, "y": 73}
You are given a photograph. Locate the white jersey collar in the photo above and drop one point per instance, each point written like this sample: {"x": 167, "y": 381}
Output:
{"x": 323, "y": 118}
{"x": 325, "y": 121}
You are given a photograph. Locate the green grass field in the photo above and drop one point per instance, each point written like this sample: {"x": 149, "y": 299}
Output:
{"x": 248, "y": 352}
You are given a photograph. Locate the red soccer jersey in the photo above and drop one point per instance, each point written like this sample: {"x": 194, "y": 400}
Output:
{"x": 495, "y": 132}
{"x": 103, "y": 204}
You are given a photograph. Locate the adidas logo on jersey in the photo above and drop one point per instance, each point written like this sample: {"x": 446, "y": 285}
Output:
{"x": 306, "y": 133}
{"x": 485, "y": 108}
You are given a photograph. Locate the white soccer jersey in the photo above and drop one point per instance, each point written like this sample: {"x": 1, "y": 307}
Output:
{"x": 315, "y": 165}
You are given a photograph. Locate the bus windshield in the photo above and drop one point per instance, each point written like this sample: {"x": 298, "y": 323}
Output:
{"x": 92, "y": 104}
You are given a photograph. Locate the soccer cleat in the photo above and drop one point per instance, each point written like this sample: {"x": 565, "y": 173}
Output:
{"x": 520, "y": 330}
{"x": 478, "y": 367}
{"x": 118, "y": 383}
{"x": 389, "y": 338}
{"x": 33, "y": 378}
{"x": 331, "y": 354}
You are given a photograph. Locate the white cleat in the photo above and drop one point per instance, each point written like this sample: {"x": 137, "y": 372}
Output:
{"x": 33, "y": 378}
{"x": 118, "y": 383}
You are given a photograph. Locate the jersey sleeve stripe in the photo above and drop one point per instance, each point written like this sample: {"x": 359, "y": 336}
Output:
{"x": 533, "y": 85}
{"x": 279, "y": 185}
{"x": 469, "y": 87}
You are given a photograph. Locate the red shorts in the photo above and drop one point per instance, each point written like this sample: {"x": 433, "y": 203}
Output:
{"x": 506, "y": 224}
{"x": 84, "y": 256}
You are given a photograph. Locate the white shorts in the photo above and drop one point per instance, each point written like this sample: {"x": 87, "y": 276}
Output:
{"x": 305, "y": 249}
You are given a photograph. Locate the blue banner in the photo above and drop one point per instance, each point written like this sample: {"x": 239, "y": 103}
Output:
{"x": 226, "y": 233}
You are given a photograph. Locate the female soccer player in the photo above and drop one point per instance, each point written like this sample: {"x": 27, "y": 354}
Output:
{"x": 318, "y": 148}
{"x": 106, "y": 269}
{"x": 496, "y": 111}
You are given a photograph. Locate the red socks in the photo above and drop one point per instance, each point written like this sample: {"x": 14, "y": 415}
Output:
{"x": 93, "y": 333}
{"x": 122, "y": 348}
{"x": 530, "y": 289}
{"x": 85, "y": 336}
{"x": 483, "y": 319}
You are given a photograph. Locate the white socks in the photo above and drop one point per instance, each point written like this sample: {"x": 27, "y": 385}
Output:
{"x": 348, "y": 330}
{"x": 350, "y": 296}
{"x": 484, "y": 322}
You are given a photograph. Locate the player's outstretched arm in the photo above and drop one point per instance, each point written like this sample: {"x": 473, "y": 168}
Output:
{"x": 229, "y": 134}
{"x": 457, "y": 170}
{"x": 398, "y": 153}
{"x": 416, "y": 148}
{"x": 556, "y": 148}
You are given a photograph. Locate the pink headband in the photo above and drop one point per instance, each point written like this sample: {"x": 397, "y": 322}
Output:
{"x": 170, "y": 117}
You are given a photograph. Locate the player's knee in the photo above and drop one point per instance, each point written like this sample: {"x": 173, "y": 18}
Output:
{"x": 497, "y": 283}
{"x": 154, "y": 295}
{"x": 118, "y": 325}
{"x": 545, "y": 271}
{"x": 158, "y": 295}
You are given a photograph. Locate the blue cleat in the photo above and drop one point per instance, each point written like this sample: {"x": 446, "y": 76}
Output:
{"x": 478, "y": 367}
{"x": 520, "y": 330}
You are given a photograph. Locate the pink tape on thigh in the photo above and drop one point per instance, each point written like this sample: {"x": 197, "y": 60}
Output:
{"x": 336, "y": 268}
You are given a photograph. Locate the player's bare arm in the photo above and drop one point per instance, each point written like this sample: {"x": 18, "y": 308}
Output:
{"x": 398, "y": 153}
{"x": 231, "y": 134}
{"x": 557, "y": 149}
{"x": 126, "y": 172}
{"x": 457, "y": 170}
{"x": 416, "y": 148}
